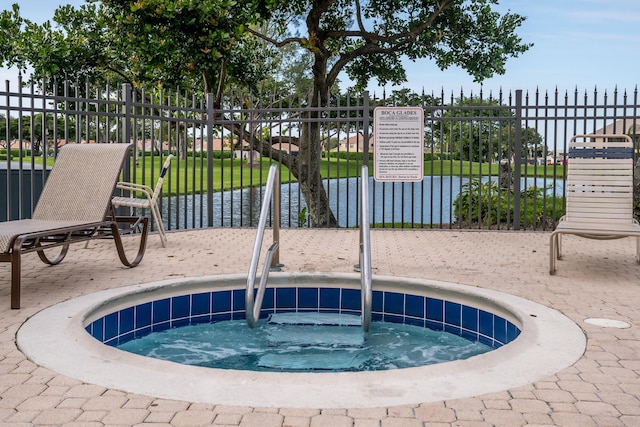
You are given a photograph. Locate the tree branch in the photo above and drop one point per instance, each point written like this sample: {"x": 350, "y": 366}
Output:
{"x": 394, "y": 44}
{"x": 288, "y": 40}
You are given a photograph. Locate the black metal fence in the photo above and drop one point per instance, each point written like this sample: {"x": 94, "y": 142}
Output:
{"x": 493, "y": 161}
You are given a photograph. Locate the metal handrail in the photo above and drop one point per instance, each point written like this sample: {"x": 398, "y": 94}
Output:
{"x": 254, "y": 304}
{"x": 365, "y": 252}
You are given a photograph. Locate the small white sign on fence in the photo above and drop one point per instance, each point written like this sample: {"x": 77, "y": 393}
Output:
{"x": 398, "y": 134}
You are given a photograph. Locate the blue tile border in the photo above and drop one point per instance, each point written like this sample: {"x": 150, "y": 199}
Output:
{"x": 389, "y": 306}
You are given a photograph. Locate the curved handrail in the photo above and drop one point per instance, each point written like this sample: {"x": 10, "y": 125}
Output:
{"x": 365, "y": 252}
{"x": 253, "y": 304}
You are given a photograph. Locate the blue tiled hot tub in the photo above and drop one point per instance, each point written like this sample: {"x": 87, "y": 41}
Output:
{"x": 472, "y": 323}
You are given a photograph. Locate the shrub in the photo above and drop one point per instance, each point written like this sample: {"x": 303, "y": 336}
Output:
{"x": 15, "y": 152}
{"x": 485, "y": 203}
{"x": 349, "y": 155}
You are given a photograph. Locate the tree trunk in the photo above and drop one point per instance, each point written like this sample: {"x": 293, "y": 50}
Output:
{"x": 505, "y": 176}
{"x": 308, "y": 174}
{"x": 305, "y": 167}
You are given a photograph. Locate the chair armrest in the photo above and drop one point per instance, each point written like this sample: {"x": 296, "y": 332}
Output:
{"x": 130, "y": 186}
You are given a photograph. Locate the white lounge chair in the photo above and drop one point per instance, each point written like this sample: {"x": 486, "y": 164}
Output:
{"x": 148, "y": 198}
{"x": 599, "y": 192}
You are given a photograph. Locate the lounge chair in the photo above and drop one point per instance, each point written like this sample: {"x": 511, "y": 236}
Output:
{"x": 75, "y": 206}
{"x": 148, "y": 198}
{"x": 599, "y": 192}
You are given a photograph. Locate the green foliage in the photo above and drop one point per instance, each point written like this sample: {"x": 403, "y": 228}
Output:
{"x": 30, "y": 128}
{"x": 302, "y": 217}
{"x": 15, "y": 152}
{"x": 349, "y": 155}
{"x": 185, "y": 44}
{"x": 176, "y": 43}
{"x": 467, "y": 34}
{"x": 487, "y": 204}
{"x": 480, "y": 130}
{"x": 217, "y": 154}
{"x": 10, "y": 23}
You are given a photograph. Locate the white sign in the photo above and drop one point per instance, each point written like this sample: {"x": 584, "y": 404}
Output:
{"x": 398, "y": 134}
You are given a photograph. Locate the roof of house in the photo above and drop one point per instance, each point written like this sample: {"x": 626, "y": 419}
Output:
{"x": 622, "y": 126}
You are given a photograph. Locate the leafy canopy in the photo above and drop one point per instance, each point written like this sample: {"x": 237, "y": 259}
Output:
{"x": 202, "y": 43}
{"x": 368, "y": 39}
{"x": 185, "y": 43}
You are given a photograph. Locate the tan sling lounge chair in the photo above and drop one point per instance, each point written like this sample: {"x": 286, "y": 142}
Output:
{"x": 599, "y": 192}
{"x": 75, "y": 206}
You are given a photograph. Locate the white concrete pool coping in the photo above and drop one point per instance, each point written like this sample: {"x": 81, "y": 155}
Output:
{"x": 55, "y": 338}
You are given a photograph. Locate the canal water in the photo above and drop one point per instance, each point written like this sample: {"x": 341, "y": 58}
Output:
{"x": 426, "y": 202}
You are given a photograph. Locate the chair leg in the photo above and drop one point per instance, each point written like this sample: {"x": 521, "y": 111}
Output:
{"x": 559, "y": 246}
{"x": 552, "y": 253}
{"x": 155, "y": 212}
{"x": 115, "y": 232}
{"x": 16, "y": 266}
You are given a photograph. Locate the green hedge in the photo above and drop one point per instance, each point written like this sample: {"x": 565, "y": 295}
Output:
{"x": 15, "y": 152}
{"x": 217, "y": 154}
{"x": 348, "y": 155}
{"x": 359, "y": 155}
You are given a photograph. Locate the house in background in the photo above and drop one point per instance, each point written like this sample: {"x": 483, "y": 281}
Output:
{"x": 287, "y": 147}
{"x": 200, "y": 144}
{"x": 630, "y": 127}
{"x": 355, "y": 144}
{"x": 148, "y": 145}
{"x": 15, "y": 144}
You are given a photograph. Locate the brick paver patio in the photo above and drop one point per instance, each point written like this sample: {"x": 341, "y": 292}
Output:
{"x": 596, "y": 279}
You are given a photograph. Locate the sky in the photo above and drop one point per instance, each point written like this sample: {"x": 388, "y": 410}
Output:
{"x": 582, "y": 44}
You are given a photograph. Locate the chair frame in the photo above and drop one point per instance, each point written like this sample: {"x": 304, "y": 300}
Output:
{"x": 149, "y": 199}
{"x": 599, "y": 192}
{"x": 39, "y": 235}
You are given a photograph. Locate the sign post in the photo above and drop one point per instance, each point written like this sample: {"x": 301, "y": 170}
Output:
{"x": 399, "y": 143}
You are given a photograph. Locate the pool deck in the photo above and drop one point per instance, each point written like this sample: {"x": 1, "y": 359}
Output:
{"x": 596, "y": 279}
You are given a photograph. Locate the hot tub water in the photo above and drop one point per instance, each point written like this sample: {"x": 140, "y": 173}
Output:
{"x": 304, "y": 342}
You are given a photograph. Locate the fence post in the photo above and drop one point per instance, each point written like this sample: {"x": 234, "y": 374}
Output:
{"x": 365, "y": 127}
{"x": 126, "y": 129}
{"x": 7, "y": 189}
{"x": 517, "y": 161}
{"x": 210, "y": 124}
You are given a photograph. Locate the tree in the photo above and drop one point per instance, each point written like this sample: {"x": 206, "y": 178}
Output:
{"x": 154, "y": 44}
{"x": 174, "y": 41}
{"x": 192, "y": 45}
{"x": 482, "y": 130}
{"x": 10, "y": 23}
{"x": 368, "y": 40}
{"x": 473, "y": 129}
